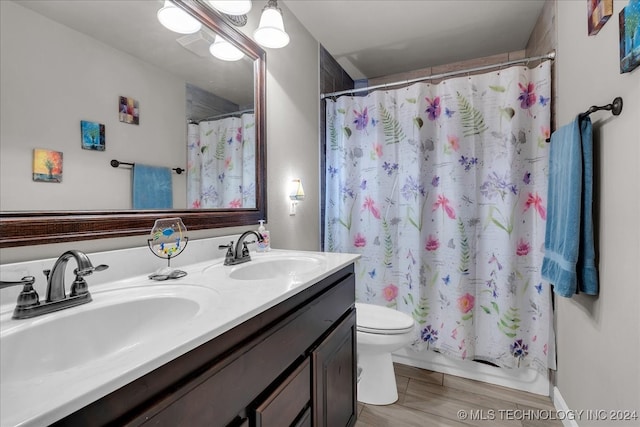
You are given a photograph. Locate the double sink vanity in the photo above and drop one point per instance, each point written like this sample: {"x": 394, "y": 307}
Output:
{"x": 266, "y": 342}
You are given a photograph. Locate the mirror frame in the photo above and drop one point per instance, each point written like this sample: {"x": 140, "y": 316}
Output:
{"x": 46, "y": 227}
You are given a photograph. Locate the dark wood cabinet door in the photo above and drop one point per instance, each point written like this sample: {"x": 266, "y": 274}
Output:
{"x": 334, "y": 376}
{"x": 283, "y": 406}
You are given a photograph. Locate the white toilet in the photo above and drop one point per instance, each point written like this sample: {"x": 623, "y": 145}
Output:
{"x": 380, "y": 331}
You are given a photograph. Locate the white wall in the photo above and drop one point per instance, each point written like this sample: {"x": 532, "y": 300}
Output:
{"x": 599, "y": 338}
{"x": 293, "y": 109}
{"x": 52, "y": 78}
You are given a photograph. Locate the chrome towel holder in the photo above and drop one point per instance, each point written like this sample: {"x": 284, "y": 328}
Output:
{"x": 117, "y": 163}
{"x": 615, "y": 107}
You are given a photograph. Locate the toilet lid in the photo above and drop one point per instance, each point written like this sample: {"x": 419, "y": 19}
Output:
{"x": 382, "y": 320}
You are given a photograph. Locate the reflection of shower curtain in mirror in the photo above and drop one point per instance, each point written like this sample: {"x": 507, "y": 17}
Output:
{"x": 221, "y": 170}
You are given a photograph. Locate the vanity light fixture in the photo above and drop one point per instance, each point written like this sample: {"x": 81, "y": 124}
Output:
{"x": 177, "y": 20}
{"x": 270, "y": 33}
{"x": 296, "y": 194}
{"x": 222, "y": 49}
{"x": 231, "y": 7}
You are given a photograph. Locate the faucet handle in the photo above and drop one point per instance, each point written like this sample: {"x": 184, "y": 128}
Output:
{"x": 245, "y": 249}
{"x": 229, "y": 246}
{"x": 228, "y": 257}
{"x": 79, "y": 287}
{"x": 89, "y": 270}
{"x": 28, "y": 296}
{"x": 27, "y": 280}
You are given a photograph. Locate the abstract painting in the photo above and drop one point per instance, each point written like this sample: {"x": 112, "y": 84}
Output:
{"x": 598, "y": 13}
{"x": 629, "y": 19}
{"x": 129, "y": 110}
{"x": 47, "y": 165}
{"x": 93, "y": 137}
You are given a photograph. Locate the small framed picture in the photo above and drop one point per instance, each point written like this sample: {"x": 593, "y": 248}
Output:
{"x": 630, "y": 36}
{"x": 129, "y": 110}
{"x": 598, "y": 13}
{"x": 47, "y": 165}
{"x": 92, "y": 135}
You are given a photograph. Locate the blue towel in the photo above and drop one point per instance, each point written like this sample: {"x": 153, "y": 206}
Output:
{"x": 569, "y": 260}
{"x": 587, "y": 272}
{"x": 152, "y": 187}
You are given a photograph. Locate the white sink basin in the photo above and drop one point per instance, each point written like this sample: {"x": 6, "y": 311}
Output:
{"x": 115, "y": 322}
{"x": 274, "y": 267}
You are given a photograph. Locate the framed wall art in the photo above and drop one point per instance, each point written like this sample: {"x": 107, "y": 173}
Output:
{"x": 129, "y": 110}
{"x": 598, "y": 13}
{"x": 93, "y": 135}
{"x": 629, "y": 19}
{"x": 47, "y": 165}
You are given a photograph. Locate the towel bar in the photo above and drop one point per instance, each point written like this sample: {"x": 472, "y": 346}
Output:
{"x": 117, "y": 163}
{"x": 615, "y": 107}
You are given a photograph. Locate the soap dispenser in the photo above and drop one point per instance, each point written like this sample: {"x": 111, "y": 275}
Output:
{"x": 265, "y": 245}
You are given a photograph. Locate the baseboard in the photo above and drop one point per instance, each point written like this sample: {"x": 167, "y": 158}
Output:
{"x": 527, "y": 380}
{"x": 561, "y": 406}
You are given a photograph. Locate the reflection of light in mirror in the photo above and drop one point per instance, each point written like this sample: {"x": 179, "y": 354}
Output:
{"x": 297, "y": 191}
{"x": 222, "y": 49}
{"x": 296, "y": 194}
{"x": 270, "y": 32}
{"x": 177, "y": 20}
{"x": 231, "y": 7}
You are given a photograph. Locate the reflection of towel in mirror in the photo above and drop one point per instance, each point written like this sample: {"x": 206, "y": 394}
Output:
{"x": 569, "y": 259}
{"x": 152, "y": 187}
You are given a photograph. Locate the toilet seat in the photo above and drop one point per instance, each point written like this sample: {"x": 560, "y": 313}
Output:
{"x": 374, "y": 319}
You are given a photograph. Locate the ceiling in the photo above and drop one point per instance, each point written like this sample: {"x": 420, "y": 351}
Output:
{"x": 374, "y": 38}
{"x": 369, "y": 38}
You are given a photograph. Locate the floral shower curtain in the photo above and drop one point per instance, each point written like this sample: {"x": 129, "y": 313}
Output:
{"x": 221, "y": 163}
{"x": 442, "y": 190}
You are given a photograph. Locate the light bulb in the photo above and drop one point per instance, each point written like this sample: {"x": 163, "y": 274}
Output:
{"x": 270, "y": 32}
{"x": 222, "y": 49}
{"x": 177, "y": 20}
{"x": 231, "y": 7}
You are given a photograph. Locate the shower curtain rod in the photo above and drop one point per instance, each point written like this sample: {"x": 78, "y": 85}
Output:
{"x": 250, "y": 110}
{"x": 551, "y": 55}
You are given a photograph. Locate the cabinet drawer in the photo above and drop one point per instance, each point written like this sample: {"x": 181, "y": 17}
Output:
{"x": 284, "y": 405}
{"x": 305, "y": 419}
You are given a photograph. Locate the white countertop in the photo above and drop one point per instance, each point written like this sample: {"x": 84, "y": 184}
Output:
{"x": 47, "y": 398}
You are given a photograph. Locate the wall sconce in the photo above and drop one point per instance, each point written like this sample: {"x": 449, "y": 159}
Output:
{"x": 234, "y": 10}
{"x": 270, "y": 33}
{"x": 231, "y": 7}
{"x": 177, "y": 20}
{"x": 296, "y": 194}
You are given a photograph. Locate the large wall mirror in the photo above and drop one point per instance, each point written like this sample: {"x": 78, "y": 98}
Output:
{"x": 87, "y": 82}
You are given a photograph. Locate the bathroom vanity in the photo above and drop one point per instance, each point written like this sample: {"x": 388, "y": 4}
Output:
{"x": 290, "y": 360}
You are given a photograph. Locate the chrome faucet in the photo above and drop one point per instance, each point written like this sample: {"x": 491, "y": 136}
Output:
{"x": 55, "y": 276}
{"x": 240, "y": 253}
{"x": 29, "y": 304}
